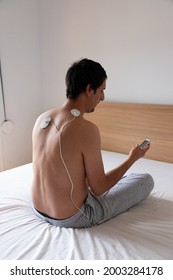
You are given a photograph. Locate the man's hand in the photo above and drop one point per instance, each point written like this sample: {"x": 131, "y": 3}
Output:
{"x": 136, "y": 152}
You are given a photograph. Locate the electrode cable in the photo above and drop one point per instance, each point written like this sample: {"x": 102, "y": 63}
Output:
{"x": 2, "y": 92}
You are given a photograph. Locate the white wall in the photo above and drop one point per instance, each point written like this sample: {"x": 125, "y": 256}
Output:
{"x": 133, "y": 39}
{"x": 20, "y": 56}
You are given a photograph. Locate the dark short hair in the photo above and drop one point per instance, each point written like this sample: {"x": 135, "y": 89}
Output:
{"x": 82, "y": 73}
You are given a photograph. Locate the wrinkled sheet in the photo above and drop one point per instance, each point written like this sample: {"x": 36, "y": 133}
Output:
{"x": 143, "y": 232}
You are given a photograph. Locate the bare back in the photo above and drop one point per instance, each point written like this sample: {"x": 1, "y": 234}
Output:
{"x": 58, "y": 165}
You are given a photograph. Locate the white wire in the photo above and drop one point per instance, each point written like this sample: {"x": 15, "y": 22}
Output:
{"x": 65, "y": 166}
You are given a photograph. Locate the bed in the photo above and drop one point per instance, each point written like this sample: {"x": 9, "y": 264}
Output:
{"x": 145, "y": 232}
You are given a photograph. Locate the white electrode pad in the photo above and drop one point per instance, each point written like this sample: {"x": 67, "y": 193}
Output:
{"x": 45, "y": 122}
{"x": 75, "y": 112}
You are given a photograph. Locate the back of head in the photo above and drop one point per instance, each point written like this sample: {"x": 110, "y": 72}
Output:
{"x": 82, "y": 73}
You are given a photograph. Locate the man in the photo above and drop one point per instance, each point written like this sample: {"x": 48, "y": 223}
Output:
{"x": 70, "y": 187}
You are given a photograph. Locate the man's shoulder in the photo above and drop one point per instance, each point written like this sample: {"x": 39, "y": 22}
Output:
{"x": 89, "y": 136}
{"x": 89, "y": 129}
{"x": 47, "y": 114}
{"x": 90, "y": 125}
{"x": 50, "y": 113}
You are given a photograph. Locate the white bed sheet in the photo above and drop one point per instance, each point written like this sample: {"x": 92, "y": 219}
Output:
{"x": 144, "y": 232}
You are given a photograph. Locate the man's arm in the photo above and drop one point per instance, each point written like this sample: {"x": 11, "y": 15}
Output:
{"x": 98, "y": 180}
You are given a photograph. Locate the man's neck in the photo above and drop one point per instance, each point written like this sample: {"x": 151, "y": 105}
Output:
{"x": 75, "y": 104}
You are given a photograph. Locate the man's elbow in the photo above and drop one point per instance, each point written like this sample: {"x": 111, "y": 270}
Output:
{"x": 98, "y": 191}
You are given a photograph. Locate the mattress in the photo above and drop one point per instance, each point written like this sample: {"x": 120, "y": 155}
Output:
{"x": 143, "y": 233}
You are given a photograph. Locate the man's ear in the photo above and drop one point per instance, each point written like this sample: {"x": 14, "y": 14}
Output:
{"x": 89, "y": 90}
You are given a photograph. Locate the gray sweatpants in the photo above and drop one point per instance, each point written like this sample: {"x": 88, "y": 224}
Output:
{"x": 129, "y": 191}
